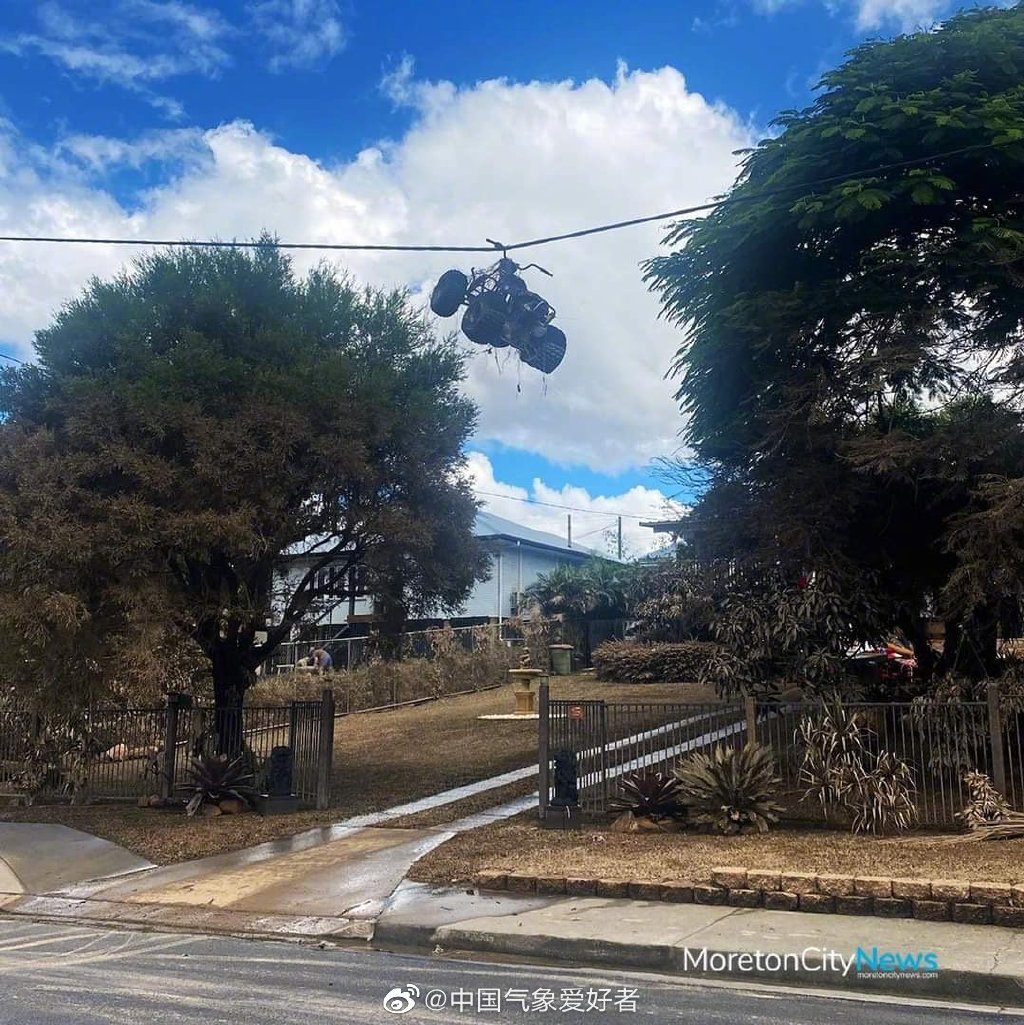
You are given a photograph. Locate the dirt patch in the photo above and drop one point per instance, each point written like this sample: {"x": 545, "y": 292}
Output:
{"x": 522, "y": 846}
{"x": 380, "y": 759}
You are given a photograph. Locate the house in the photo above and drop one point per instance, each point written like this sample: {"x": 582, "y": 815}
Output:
{"x": 518, "y": 555}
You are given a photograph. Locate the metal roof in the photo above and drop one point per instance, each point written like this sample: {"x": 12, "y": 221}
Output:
{"x": 489, "y": 525}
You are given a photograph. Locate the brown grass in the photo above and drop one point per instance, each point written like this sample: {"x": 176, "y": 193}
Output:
{"x": 522, "y": 846}
{"x": 380, "y": 759}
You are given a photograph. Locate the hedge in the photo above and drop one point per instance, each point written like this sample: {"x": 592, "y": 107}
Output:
{"x": 632, "y": 662}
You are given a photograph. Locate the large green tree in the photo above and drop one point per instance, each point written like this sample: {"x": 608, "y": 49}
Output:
{"x": 192, "y": 421}
{"x": 853, "y": 366}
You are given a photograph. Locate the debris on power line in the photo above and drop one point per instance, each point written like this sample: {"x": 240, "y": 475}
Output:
{"x": 501, "y": 312}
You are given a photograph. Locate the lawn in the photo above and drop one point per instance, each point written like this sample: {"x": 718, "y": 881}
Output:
{"x": 521, "y": 846}
{"x": 380, "y": 759}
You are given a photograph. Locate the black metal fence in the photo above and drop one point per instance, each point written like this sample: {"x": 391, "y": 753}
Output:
{"x": 939, "y": 741}
{"x": 128, "y": 753}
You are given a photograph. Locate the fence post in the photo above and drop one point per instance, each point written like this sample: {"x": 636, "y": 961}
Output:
{"x": 293, "y": 727}
{"x": 326, "y": 751}
{"x": 170, "y": 745}
{"x": 543, "y": 742}
{"x": 995, "y": 730}
{"x": 750, "y": 710}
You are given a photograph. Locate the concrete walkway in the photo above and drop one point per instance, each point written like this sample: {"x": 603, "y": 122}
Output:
{"x": 37, "y": 857}
{"x": 982, "y": 964}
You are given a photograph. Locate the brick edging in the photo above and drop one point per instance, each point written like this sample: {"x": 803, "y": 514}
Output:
{"x": 930, "y": 900}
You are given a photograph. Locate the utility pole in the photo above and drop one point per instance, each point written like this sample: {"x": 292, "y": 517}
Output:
{"x": 620, "y": 539}
{"x": 568, "y": 527}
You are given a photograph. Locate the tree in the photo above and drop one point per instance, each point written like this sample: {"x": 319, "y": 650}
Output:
{"x": 852, "y": 370}
{"x": 194, "y": 420}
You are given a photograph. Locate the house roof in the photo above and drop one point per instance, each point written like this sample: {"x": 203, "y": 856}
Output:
{"x": 488, "y": 525}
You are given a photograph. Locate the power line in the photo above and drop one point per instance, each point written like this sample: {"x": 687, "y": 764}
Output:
{"x": 13, "y": 359}
{"x": 495, "y": 247}
{"x": 567, "y": 508}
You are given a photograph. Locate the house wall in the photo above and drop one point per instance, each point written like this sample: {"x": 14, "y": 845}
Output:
{"x": 520, "y": 567}
{"x": 521, "y": 564}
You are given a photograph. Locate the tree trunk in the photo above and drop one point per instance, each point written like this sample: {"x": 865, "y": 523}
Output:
{"x": 971, "y": 647}
{"x": 231, "y": 679}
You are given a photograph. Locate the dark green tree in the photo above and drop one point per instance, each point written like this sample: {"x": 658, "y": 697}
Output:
{"x": 853, "y": 366}
{"x": 192, "y": 421}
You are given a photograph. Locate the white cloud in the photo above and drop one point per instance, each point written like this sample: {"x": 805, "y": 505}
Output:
{"x": 133, "y": 44}
{"x": 501, "y": 159}
{"x": 906, "y": 15}
{"x": 594, "y": 517}
{"x": 299, "y": 33}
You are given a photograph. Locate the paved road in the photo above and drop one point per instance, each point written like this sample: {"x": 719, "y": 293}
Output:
{"x": 65, "y": 975}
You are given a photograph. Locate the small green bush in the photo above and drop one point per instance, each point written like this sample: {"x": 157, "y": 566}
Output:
{"x": 632, "y": 662}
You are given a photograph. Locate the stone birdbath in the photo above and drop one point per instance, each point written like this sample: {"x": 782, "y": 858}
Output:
{"x": 523, "y": 681}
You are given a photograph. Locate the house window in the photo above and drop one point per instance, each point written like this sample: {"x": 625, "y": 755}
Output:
{"x": 330, "y": 582}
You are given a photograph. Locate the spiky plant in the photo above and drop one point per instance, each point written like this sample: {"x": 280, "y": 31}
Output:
{"x": 880, "y": 799}
{"x": 732, "y": 790}
{"x": 833, "y": 740}
{"x": 214, "y": 778}
{"x": 650, "y": 795}
{"x": 985, "y": 805}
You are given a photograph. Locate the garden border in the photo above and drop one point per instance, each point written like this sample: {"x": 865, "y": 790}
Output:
{"x": 928, "y": 900}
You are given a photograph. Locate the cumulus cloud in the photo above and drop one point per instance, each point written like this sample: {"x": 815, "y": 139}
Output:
{"x": 299, "y": 33}
{"x": 501, "y": 159}
{"x": 594, "y": 517}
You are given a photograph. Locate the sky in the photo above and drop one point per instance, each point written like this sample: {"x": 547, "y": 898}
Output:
{"x": 421, "y": 123}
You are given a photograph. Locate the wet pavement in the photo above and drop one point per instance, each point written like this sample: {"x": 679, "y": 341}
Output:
{"x": 38, "y": 857}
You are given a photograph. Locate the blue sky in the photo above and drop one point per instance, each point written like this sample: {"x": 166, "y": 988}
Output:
{"x": 418, "y": 122}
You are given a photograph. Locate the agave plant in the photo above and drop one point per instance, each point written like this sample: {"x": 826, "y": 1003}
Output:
{"x": 732, "y": 790}
{"x": 649, "y": 795}
{"x": 214, "y": 778}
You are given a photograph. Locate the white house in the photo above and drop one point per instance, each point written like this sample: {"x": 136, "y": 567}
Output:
{"x": 518, "y": 556}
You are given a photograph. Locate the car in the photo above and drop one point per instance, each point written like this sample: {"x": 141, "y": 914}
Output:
{"x": 501, "y": 312}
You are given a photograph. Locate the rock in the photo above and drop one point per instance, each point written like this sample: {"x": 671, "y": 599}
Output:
{"x": 233, "y": 806}
{"x": 210, "y": 810}
{"x": 156, "y": 801}
{"x": 144, "y": 801}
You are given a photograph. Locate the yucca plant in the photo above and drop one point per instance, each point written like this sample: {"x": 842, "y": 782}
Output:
{"x": 649, "y": 795}
{"x": 732, "y": 790}
{"x": 214, "y": 778}
{"x": 881, "y": 800}
{"x": 985, "y": 805}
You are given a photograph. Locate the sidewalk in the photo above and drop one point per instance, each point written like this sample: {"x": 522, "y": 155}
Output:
{"x": 983, "y": 964}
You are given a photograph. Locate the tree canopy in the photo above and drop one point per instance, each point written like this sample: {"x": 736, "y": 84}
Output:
{"x": 193, "y": 421}
{"x": 852, "y": 371}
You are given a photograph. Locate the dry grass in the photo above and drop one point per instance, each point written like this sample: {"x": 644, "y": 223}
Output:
{"x": 380, "y": 759}
{"x": 522, "y": 846}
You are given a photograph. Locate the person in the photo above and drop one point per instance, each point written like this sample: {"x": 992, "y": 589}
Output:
{"x": 322, "y": 660}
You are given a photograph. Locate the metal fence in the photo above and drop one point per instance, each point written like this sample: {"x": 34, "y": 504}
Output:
{"x": 128, "y": 753}
{"x": 348, "y": 652}
{"x": 939, "y": 741}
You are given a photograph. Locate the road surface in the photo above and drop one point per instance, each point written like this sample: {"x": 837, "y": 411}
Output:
{"x": 68, "y": 975}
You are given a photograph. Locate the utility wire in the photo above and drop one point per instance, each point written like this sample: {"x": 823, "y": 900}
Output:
{"x": 13, "y": 359}
{"x": 495, "y": 247}
{"x": 567, "y": 508}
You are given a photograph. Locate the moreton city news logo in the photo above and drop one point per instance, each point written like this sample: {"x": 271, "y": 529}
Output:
{"x": 867, "y": 962}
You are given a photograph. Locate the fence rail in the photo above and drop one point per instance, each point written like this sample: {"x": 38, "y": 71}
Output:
{"x": 128, "y": 753}
{"x": 939, "y": 741}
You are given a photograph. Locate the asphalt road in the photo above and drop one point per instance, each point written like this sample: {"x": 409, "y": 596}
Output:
{"x": 66, "y": 975}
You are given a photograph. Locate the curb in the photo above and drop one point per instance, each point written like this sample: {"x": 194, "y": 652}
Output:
{"x": 926, "y": 900}
{"x": 183, "y": 919}
{"x": 948, "y": 984}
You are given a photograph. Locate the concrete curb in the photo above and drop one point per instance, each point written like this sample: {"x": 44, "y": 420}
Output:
{"x": 950, "y": 984}
{"x": 178, "y": 918}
